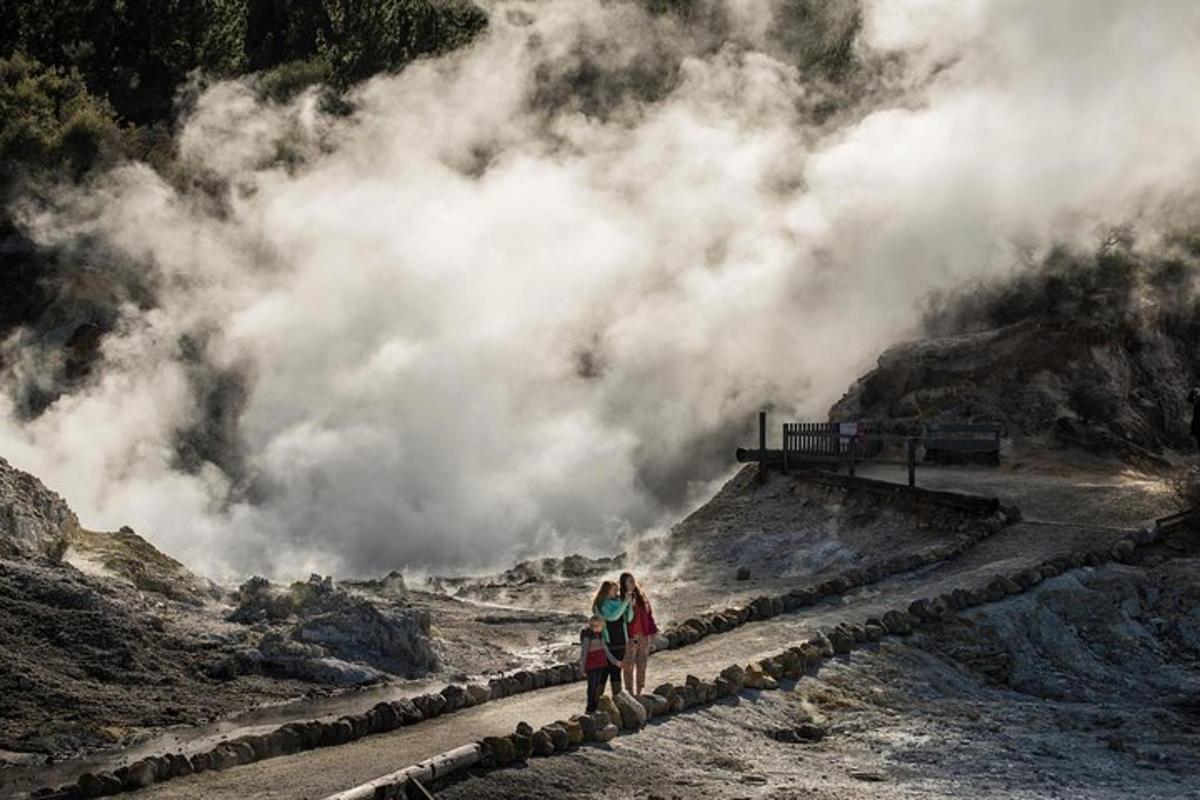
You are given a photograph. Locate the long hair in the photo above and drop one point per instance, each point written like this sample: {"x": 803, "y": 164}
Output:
{"x": 602, "y": 595}
{"x": 639, "y": 596}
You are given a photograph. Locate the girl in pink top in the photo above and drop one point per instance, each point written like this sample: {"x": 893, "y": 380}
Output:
{"x": 641, "y": 632}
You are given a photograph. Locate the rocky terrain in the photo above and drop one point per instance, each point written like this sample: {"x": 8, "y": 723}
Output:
{"x": 114, "y": 649}
{"x": 1082, "y": 352}
{"x": 1087, "y": 687}
{"x": 105, "y": 640}
{"x": 1048, "y": 658}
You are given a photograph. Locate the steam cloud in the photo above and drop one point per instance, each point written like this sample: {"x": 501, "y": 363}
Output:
{"x": 475, "y": 322}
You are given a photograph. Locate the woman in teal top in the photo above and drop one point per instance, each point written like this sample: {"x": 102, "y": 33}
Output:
{"x": 617, "y": 614}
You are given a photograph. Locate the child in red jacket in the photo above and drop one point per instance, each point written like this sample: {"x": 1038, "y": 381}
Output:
{"x": 598, "y": 661}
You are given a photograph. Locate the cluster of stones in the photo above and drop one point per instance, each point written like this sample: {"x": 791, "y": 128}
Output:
{"x": 384, "y": 717}
{"x": 696, "y": 628}
{"x": 630, "y": 713}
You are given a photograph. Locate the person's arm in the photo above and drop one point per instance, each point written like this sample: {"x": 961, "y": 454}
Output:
{"x": 583, "y": 653}
{"x": 611, "y": 658}
{"x": 613, "y": 610}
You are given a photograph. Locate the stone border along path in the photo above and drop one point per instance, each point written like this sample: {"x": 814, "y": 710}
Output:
{"x": 629, "y": 713}
{"x": 384, "y": 717}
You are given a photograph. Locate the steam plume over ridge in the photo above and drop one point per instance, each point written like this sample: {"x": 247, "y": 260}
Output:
{"x": 527, "y": 295}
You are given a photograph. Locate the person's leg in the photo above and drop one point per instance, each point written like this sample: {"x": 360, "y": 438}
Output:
{"x": 643, "y": 655}
{"x": 614, "y": 672}
{"x": 630, "y": 656}
{"x": 595, "y": 685}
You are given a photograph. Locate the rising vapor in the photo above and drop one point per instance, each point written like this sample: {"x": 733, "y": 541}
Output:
{"x": 526, "y": 296}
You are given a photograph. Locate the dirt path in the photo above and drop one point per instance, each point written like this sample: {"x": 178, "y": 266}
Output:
{"x": 318, "y": 773}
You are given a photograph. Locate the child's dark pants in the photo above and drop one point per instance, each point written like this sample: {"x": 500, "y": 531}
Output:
{"x": 595, "y": 680}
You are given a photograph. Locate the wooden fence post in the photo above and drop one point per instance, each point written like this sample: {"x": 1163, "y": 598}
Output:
{"x": 784, "y": 440}
{"x": 912, "y": 461}
{"x": 762, "y": 447}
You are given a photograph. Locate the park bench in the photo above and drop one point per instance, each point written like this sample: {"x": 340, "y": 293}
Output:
{"x": 962, "y": 441}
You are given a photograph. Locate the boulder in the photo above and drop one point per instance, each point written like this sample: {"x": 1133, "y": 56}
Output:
{"x": 141, "y": 774}
{"x": 384, "y": 718}
{"x": 655, "y": 705}
{"x": 607, "y": 706}
{"x": 99, "y": 784}
{"x": 543, "y": 745}
{"x": 456, "y": 697}
{"x": 823, "y": 645}
{"x": 1123, "y": 550}
{"x": 499, "y": 750}
{"x": 392, "y": 639}
{"x": 559, "y": 737}
{"x": 523, "y": 681}
{"x": 607, "y": 733}
{"x": 336, "y": 732}
{"x": 875, "y": 631}
{"x": 807, "y": 732}
{"x": 791, "y": 663}
{"x": 632, "y": 713}
{"x": 733, "y": 673}
{"x": 761, "y": 608}
{"x": 587, "y": 725}
{"x": 430, "y": 705}
{"x": 290, "y": 739}
{"x": 1028, "y": 578}
{"x": 924, "y": 610}
{"x": 181, "y": 766}
{"x": 841, "y": 640}
{"x": 407, "y": 710}
{"x": 1010, "y": 586}
{"x": 522, "y": 747}
{"x": 479, "y": 693}
{"x": 754, "y": 677}
{"x": 574, "y": 729}
{"x": 743, "y": 573}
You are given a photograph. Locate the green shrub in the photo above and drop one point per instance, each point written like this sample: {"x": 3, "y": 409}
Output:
{"x": 287, "y": 80}
{"x": 49, "y": 121}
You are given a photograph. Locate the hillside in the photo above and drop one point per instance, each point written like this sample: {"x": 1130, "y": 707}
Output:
{"x": 1092, "y": 354}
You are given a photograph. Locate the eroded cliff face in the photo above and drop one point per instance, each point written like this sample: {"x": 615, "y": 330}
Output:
{"x": 1095, "y": 354}
{"x": 34, "y": 521}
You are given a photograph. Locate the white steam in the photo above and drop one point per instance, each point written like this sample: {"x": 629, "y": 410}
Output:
{"x": 476, "y": 329}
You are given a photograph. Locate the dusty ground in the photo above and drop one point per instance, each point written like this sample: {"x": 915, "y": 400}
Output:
{"x": 782, "y": 532}
{"x": 1087, "y": 687}
{"x": 318, "y": 773}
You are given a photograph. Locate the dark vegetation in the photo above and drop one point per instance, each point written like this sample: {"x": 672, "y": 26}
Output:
{"x": 87, "y": 85}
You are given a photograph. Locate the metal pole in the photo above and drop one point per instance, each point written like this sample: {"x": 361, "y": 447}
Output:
{"x": 853, "y": 451}
{"x": 762, "y": 447}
